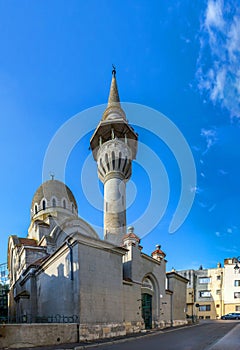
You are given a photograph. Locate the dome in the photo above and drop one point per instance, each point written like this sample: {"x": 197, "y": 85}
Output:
{"x": 53, "y": 194}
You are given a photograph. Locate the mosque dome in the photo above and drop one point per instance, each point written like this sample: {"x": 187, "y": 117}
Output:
{"x": 53, "y": 195}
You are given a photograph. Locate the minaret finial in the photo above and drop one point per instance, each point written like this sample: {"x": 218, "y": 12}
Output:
{"x": 114, "y": 70}
{"x": 113, "y": 110}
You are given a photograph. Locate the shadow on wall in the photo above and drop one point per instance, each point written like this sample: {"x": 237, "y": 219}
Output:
{"x": 46, "y": 298}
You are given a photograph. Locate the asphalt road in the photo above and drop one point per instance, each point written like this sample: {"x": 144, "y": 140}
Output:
{"x": 205, "y": 336}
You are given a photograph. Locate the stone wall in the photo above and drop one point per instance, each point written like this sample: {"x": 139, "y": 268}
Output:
{"x": 30, "y": 335}
{"x": 107, "y": 330}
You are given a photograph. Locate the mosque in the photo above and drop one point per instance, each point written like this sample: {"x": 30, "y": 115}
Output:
{"x": 62, "y": 271}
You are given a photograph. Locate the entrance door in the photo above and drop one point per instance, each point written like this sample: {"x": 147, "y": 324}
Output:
{"x": 147, "y": 310}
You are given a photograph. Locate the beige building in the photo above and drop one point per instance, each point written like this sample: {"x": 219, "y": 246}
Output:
{"x": 212, "y": 293}
{"x": 231, "y": 286}
{"x": 63, "y": 272}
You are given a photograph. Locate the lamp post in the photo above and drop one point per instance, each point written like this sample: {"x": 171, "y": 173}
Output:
{"x": 237, "y": 261}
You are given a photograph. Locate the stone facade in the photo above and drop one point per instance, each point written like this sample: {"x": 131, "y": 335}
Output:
{"x": 63, "y": 272}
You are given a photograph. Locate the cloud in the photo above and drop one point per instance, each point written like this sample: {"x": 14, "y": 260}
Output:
{"x": 185, "y": 39}
{"x": 212, "y": 208}
{"x": 232, "y": 250}
{"x": 222, "y": 172}
{"x": 214, "y": 14}
{"x": 203, "y": 205}
{"x": 196, "y": 189}
{"x": 210, "y": 136}
{"x": 218, "y": 67}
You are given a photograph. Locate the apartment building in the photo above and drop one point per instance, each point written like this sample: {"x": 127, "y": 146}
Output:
{"x": 213, "y": 292}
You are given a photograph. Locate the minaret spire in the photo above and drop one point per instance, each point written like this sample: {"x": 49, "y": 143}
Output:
{"x": 114, "y": 109}
{"x": 113, "y": 94}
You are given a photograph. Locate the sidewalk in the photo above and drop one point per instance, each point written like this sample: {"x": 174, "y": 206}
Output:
{"x": 230, "y": 341}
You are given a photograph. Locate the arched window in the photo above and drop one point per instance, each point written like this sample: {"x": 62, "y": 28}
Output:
{"x": 64, "y": 204}
{"x": 113, "y": 160}
{"x": 44, "y": 204}
{"x": 106, "y": 161}
{"x": 119, "y": 160}
{"x": 72, "y": 208}
{"x": 35, "y": 209}
{"x": 54, "y": 202}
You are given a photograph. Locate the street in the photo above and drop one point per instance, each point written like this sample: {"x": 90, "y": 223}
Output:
{"x": 207, "y": 335}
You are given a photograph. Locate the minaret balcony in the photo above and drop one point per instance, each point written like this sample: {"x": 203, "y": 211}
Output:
{"x": 107, "y": 130}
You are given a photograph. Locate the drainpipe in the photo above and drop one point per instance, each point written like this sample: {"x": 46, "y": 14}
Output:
{"x": 171, "y": 310}
{"x": 71, "y": 259}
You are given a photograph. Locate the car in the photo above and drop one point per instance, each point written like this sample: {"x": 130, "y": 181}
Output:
{"x": 231, "y": 316}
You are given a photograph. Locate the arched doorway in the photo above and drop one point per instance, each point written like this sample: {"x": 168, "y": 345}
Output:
{"x": 147, "y": 310}
{"x": 147, "y": 302}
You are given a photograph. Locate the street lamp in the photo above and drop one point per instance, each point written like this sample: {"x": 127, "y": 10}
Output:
{"x": 237, "y": 261}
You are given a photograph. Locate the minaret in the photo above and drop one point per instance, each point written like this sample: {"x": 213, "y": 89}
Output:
{"x": 114, "y": 145}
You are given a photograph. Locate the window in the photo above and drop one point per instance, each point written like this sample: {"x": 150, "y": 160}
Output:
{"x": 237, "y": 308}
{"x": 236, "y": 295}
{"x": 64, "y": 204}
{"x": 205, "y": 308}
{"x": 106, "y": 161}
{"x": 54, "y": 202}
{"x": 236, "y": 283}
{"x": 203, "y": 280}
{"x": 44, "y": 204}
{"x": 218, "y": 278}
{"x": 119, "y": 160}
{"x": 218, "y": 291}
{"x": 205, "y": 294}
{"x": 35, "y": 208}
{"x": 217, "y": 305}
{"x": 113, "y": 160}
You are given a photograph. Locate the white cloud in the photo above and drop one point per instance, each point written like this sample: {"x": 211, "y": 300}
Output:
{"x": 222, "y": 172}
{"x": 212, "y": 208}
{"x": 219, "y": 84}
{"x": 214, "y": 14}
{"x": 210, "y": 136}
{"x": 218, "y": 65}
{"x": 233, "y": 40}
{"x": 196, "y": 189}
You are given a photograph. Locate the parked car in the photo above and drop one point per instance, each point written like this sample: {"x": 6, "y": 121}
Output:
{"x": 231, "y": 316}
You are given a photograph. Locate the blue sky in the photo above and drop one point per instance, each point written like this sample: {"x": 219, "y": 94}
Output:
{"x": 180, "y": 58}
